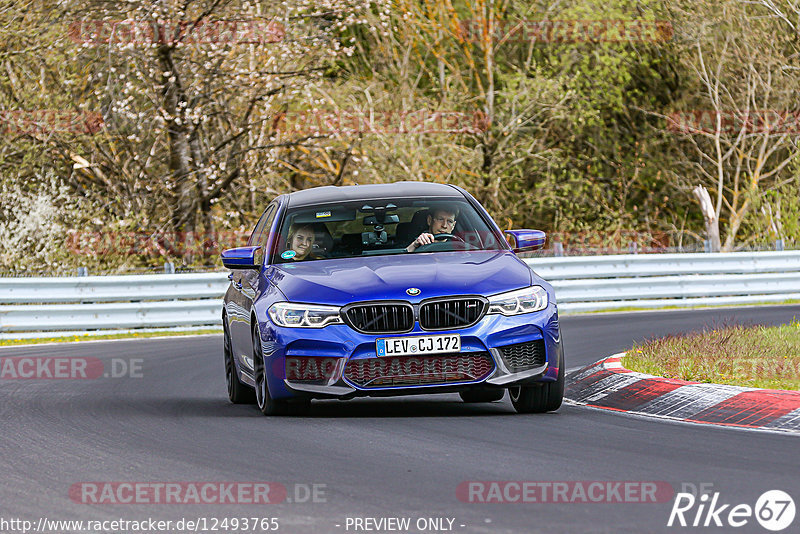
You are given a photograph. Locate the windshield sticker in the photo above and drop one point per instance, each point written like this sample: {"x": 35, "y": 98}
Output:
{"x": 289, "y": 254}
{"x": 321, "y": 214}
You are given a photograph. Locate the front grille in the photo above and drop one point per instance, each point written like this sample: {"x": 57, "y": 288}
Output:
{"x": 451, "y": 313}
{"x": 524, "y": 355}
{"x": 419, "y": 370}
{"x": 380, "y": 318}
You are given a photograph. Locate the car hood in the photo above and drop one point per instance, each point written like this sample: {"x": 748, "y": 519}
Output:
{"x": 341, "y": 281}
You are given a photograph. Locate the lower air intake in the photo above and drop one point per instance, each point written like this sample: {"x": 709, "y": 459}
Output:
{"x": 522, "y": 356}
{"x": 419, "y": 370}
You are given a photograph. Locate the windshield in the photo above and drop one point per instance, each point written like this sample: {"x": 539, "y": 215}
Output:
{"x": 382, "y": 227}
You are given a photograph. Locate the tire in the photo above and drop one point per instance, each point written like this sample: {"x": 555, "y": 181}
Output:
{"x": 482, "y": 395}
{"x": 540, "y": 398}
{"x": 238, "y": 393}
{"x": 264, "y": 401}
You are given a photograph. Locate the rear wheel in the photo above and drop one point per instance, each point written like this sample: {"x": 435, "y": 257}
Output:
{"x": 540, "y": 398}
{"x": 266, "y": 404}
{"x": 482, "y": 395}
{"x": 238, "y": 393}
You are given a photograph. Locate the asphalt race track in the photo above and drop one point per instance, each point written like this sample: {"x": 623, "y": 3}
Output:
{"x": 378, "y": 458}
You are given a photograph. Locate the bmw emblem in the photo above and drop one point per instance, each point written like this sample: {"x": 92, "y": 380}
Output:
{"x": 413, "y": 291}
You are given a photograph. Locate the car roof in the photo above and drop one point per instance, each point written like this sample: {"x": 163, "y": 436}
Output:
{"x": 330, "y": 193}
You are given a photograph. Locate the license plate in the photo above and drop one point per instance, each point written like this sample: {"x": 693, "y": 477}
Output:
{"x": 407, "y": 346}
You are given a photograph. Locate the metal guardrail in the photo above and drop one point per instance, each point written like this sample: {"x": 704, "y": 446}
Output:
{"x": 596, "y": 283}
{"x": 112, "y": 288}
{"x": 47, "y": 307}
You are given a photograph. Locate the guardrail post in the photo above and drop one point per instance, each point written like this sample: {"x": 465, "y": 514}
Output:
{"x": 169, "y": 267}
{"x": 707, "y": 245}
{"x": 558, "y": 249}
{"x": 779, "y": 244}
{"x": 633, "y": 247}
{"x": 83, "y": 271}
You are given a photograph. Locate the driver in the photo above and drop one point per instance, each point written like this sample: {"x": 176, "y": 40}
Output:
{"x": 441, "y": 220}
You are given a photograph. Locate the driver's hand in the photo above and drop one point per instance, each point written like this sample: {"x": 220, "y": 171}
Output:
{"x": 423, "y": 239}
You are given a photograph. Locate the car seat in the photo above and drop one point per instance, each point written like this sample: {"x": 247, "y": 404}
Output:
{"x": 323, "y": 242}
{"x": 409, "y": 231}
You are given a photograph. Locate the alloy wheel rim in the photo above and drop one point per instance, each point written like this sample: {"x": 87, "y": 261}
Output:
{"x": 229, "y": 374}
{"x": 228, "y": 362}
{"x": 261, "y": 382}
{"x": 263, "y": 390}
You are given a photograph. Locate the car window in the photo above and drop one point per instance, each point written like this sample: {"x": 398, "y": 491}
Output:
{"x": 256, "y": 236}
{"x": 381, "y": 227}
{"x": 265, "y": 231}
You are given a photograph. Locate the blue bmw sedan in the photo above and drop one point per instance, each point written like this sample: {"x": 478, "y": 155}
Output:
{"x": 390, "y": 289}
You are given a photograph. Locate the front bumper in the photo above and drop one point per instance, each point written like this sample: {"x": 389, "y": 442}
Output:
{"x": 340, "y": 344}
{"x": 339, "y": 387}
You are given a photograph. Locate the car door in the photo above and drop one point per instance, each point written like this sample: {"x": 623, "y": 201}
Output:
{"x": 245, "y": 283}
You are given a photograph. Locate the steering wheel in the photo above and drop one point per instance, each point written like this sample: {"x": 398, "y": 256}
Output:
{"x": 438, "y": 241}
{"x": 446, "y": 237}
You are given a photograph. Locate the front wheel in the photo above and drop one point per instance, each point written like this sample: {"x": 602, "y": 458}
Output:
{"x": 238, "y": 393}
{"x": 266, "y": 404}
{"x": 540, "y": 398}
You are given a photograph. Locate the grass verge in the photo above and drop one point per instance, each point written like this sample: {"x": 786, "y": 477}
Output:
{"x": 87, "y": 337}
{"x": 751, "y": 356}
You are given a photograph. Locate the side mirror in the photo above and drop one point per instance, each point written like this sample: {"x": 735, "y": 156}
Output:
{"x": 242, "y": 258}
{"x": 525, "y": 240}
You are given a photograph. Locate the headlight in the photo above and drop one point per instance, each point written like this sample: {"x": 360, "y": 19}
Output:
{"x": 304, "y": 315}
{"x": 526, "y": 300}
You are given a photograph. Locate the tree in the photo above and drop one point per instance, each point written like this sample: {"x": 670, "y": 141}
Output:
{"x": 189, "y": 93}
{"x": 739, "y": 124}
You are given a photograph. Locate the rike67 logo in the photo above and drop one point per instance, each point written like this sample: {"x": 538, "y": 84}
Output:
{"x": 774, "y": 510}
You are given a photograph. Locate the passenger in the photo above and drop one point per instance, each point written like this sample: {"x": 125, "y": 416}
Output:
{"x": 300, "y": 240}
{"x": 441, "y": 220}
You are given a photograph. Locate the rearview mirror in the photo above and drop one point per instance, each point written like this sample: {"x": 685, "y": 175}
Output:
{"x": 525, "y": 240}
{"x": 389, "y": 218}
{"x": 242, "y": 258}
